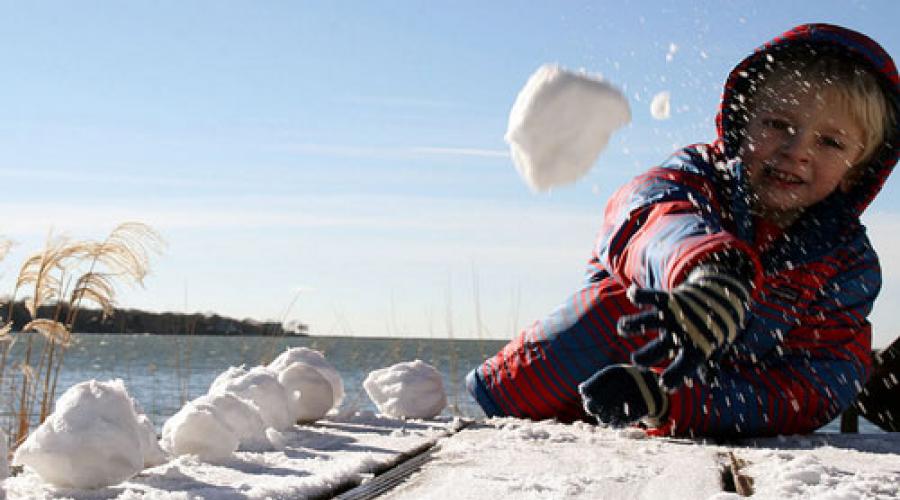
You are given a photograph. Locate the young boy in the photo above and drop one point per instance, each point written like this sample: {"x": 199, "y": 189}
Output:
{"x": 729, "y": 287}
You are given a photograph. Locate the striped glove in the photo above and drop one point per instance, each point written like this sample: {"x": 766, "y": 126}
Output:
{"x": 695, "y": 321}
{"x": 620, "y": 395}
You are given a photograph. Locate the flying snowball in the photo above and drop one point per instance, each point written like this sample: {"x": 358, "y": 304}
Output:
{"x": 560, "y": 123}
{"x": 91, "y": 440}
{"x": 407, "y": 390}
{"x": 660, "y": 107}
{"x": 316, "y": 360}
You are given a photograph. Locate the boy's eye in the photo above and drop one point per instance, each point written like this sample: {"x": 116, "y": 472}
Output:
{"x": 831, "y": 142}
{"x": 779, "y": 124}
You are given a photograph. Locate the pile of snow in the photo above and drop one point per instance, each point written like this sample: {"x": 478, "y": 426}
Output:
{"x": 94, "y": 438}
{"x": 407, "y": 390}
{"x": 316, "y": 385}
{"x": 560, "y": 123}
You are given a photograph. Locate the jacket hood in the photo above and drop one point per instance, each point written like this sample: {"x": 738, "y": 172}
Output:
{"x": 823, "y": 38}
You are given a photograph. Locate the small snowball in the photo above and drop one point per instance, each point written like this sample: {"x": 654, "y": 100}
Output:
{"x": 91, "y": 440}
{"x": 315, "y": 359}
{"x": 407, "y": 390}
{"x": 560, "y": 123}
{"x": 261, "y": 386}
{"x": 198, "y": 429}
{"x": 660, "y": 107}
{"x": 311, "y": 393}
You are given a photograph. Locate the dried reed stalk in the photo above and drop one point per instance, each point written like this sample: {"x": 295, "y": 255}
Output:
{"x": 123, "y": 256}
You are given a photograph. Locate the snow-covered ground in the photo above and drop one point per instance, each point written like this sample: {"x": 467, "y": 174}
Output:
{"x": 314, "y": 460}
{"x": 509, "y": 458}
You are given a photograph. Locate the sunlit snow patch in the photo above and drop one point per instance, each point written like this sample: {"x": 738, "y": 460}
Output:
{"x": 407, "y": 390}
{"x": 560, "y": 123}
{"x": 91, "y": 440}
{"x": 660, "y": 107}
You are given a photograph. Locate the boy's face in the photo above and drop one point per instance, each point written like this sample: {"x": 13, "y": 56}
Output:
{"x": 799, "y": 146}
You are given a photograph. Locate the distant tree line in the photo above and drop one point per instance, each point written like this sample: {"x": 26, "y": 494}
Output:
{"x": 165, "y": 323}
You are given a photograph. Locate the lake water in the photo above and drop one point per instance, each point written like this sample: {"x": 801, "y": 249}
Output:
{"x": 162, "y": 372}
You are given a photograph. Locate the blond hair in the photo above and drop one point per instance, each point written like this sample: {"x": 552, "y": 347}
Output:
{"x": 856, "y": 88}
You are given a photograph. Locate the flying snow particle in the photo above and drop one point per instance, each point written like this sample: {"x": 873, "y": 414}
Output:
{"x": 671, "y": 53}
{"x": 660, "y": 107}
{"x": 560, "y": 123}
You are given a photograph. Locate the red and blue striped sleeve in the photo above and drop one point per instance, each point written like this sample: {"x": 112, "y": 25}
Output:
{"x": 662, "y": 223}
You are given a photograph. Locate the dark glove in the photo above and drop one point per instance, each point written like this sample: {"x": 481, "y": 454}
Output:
{"x": 695, "y": 321}
{"x": 619, "y": 395}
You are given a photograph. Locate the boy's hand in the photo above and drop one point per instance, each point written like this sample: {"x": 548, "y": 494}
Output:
{"x": 695, "y": 320}
{"x": 619, "y": 395}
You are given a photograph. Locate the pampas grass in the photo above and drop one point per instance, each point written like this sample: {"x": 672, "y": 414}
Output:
{"x": 66, "y": 275}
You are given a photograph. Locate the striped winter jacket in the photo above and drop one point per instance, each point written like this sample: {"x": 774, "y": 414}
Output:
{"x": 805, "y": 351}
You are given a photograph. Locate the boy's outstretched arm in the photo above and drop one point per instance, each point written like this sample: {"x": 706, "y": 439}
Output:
{"x": 660, "y": 225}
{"x": 811, "y": 371}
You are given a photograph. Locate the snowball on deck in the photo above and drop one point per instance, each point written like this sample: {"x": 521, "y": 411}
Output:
{"x": 560, "y": 123}
{"x": 261, "y": 386}
{"x": 316, "y": 360}
{"x": 407, "y": 390}
{"x": 91, "y": 440}
{"x": 199, "y": 429}
{"x": 313, "y": 394}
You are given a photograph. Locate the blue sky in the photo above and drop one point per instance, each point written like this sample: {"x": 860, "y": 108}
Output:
{"x": 354, "y": 150}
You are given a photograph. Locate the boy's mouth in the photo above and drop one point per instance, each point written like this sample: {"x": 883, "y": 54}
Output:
{"x": 781, "y": 176}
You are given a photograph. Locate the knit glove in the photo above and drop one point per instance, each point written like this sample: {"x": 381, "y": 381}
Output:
{"x": 620, "y": 395}
{"x": 695, "y": 321}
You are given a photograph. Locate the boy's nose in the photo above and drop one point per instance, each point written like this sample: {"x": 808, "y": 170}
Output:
{"x": 798, "y": 146}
